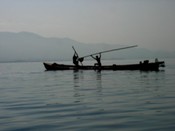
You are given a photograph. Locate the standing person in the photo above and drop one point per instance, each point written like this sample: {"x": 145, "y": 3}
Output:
{"x": 75, "y": 59}
{"x": 98, "y": 59}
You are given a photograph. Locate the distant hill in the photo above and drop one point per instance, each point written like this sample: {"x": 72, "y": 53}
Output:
{"x": 26, "y": 46}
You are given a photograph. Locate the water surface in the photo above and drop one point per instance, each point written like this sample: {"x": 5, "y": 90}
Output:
{"x": 34, "y": 99}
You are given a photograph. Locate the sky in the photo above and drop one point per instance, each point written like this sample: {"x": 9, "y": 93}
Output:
{"x": 147, "y": 23}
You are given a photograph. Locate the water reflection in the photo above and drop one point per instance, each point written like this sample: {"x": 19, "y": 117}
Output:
{"x": 152, "y": 84}
{"x": 87, "y": 84}
{"x": 78, "y": 77}
{"x": 148, "y": 77}
{"x": 99, "y": 82}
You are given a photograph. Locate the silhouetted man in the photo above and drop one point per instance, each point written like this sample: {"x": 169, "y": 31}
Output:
{"x": 98, "y": 59}
{"x": 75, "y": 59}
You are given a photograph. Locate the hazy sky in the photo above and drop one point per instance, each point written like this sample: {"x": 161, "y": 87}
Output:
{"x": 148, "y": 23}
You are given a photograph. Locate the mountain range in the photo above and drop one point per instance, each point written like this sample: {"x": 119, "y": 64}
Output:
{"x": 27, "y": 46}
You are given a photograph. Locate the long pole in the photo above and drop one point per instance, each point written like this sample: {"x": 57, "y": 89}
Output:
{"x": 74, "y": 50}
{"x": 110, "y": 50}
{"x": 79, "y": 59}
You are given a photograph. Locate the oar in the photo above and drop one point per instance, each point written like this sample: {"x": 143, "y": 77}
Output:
{"x": 109, "y": 51}
{"x": 74, "y": 50}
{"x": 80, "y": 59}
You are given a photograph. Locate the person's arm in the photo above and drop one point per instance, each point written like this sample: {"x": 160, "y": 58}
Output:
{"x": 100, "y": 56}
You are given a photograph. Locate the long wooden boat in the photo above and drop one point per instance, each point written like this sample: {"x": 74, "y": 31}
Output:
{"x": 145, "y": 66}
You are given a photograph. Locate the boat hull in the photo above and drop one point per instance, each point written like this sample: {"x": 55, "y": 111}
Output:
{"x": 154, "y": 66}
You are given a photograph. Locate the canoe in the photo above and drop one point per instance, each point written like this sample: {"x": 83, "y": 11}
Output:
{"x": 145, "y": 66}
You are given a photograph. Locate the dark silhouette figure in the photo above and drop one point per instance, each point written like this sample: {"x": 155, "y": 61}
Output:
{"x": 98, "y": 59}
{"x": 75, "y": 59}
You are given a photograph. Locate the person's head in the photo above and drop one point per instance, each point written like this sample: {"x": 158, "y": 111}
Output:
{"x": 96, "y": 56}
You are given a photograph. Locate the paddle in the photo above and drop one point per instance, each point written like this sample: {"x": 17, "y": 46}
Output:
{"x": 108, "y": 51}
{"x": 74, "y": 50}
{"x": 79, "y": 59}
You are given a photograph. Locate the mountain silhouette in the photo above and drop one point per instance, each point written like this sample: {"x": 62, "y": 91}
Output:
{"x": 27, "y": 46}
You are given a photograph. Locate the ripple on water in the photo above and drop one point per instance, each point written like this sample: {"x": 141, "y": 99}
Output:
{"x": 87, "y": 100}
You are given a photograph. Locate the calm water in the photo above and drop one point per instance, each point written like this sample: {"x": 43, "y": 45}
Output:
{"x": 34, "y": 99}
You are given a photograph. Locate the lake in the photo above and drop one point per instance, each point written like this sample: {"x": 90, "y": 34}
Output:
{"x": 33, "y": 99}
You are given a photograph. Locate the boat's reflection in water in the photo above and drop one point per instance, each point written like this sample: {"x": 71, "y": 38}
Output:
{"x": 87, "y": 84}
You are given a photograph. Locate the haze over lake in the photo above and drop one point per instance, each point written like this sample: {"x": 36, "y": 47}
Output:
{"x": 150, "y": 24}
{"x": 26, "y": 46}
{"x": 37, "y": 31}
